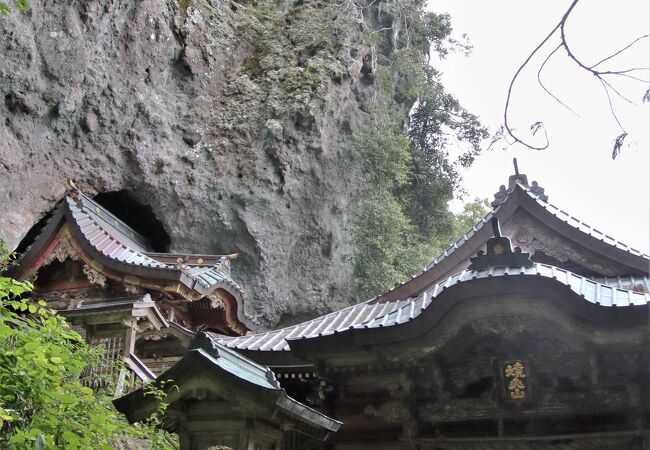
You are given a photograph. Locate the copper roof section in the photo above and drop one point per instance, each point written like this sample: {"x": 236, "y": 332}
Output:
{"x": 220, "y": 365}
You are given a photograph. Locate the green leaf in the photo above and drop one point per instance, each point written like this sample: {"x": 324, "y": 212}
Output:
{"x": 22, "y": 5}
{"x": 85, "y": 390}
{"x": 32, "y": 309}
{"x": 70, "y": 437}
{"x": 56, "y": 360}
{"x": 98, "y": 420}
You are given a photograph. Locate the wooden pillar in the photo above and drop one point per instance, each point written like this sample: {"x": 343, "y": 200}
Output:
{"x": 129, "y": 347}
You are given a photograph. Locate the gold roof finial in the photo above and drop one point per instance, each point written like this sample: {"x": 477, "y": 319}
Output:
{"x": 233, "y": 256}
{"x": 71, "y": 184}
{"x": 73, "y": 190}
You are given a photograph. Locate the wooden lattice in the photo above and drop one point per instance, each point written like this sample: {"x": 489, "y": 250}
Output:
{"x": 107, "y": 370}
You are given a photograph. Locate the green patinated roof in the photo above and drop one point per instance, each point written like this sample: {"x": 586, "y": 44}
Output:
{"x": 207, "y": 357}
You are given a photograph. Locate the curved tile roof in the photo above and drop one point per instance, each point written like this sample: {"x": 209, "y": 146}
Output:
{"x": 556, "y": 211}
{"x": 590, "y": 290}
{"x": 108, "y": 236}
{"x": 117, "y": 241}
{"x": 375, "y": 314}
{"x": 582, "y": 226}
{"x": 107, "y": 240}
{"x": 637, "y": 284}
{"x": 533, "y": 194}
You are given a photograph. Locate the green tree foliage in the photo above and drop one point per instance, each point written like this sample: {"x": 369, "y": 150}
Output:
{"x": 21, "y": 5}
{"x": 43, "y": 402}
{"x": 472, "y": 213}
{"x": 462, "y": 222}
{"x": 402, "y": 220}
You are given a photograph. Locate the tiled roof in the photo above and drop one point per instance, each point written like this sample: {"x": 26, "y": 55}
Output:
{"x": 449, "y": 253}
{"x": 557, "y": 212}
{"x": 375, "y": 314}
{"x": 336, "y": 321}
{"x": 120, "y": 249}
{"x": 234, "y": 363}
{"x": 590, "y": 290}
{"x": 209, "y": 276}
{"x": 108, "y": 238}
{"x": 252, "y": 372}
{"x": 638, "y": 284}
{"x": 119, "y": 242}
{"x": 580, "y": 225}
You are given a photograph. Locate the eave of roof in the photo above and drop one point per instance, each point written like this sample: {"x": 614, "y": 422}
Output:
{"x": 135, "y": 305}
{"x": 113, "y": 243}
{"x": 384, "y": 313}
{"x": 235, "y": 367}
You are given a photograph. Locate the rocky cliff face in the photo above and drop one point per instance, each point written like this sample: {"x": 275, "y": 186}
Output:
{"x": 229, "y": 120}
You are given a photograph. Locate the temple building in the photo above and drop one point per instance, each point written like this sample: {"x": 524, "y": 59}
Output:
{"x": 531, "y": 331}
{"x": 141, "y": 306}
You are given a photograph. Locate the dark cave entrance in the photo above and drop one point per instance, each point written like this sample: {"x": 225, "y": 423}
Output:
{"x": 138, "y": 216}
{"x": 33, "y": 233}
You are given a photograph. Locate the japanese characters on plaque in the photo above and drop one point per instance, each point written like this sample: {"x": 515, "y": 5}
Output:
{"x": 515, "y": 380}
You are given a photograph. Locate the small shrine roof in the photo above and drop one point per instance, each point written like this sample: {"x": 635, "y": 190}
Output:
{"x": 376, "y": 313}
{"x": 114, "y": 241}
{"x": 227, "y": 366}
{"x": 110, "y": 246}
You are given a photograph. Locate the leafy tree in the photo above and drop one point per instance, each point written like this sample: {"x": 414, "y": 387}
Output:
{"x": 462, "y": 222}
{"x": 43, "y": 403}
{"x": 401, "y": 221}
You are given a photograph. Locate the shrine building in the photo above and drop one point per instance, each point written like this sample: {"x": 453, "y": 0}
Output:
{"x": 141, "y": 306}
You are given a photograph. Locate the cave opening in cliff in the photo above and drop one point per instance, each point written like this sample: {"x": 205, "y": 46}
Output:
{"x": 138, "y": 216}
{"x": 33, "y": 233}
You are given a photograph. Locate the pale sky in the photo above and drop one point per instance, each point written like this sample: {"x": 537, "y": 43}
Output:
{"x": 577, "y": 170}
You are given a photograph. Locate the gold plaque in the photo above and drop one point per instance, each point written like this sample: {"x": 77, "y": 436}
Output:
{"x": 515, "y": 374}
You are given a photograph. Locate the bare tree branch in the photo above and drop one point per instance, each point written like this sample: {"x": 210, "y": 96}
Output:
{"x": 632, "y": 77}
{"x": 599, "y": 74}
{"x": 514, "y": 78}
{"x": 620, "y": 72}
{"x": 539, "y": 80}
{"x": 619, "y": 52}
{"x": 602, "y": 80}
{"x": 611, "y": 107}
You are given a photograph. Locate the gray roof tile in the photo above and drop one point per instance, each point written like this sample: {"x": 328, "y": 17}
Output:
{"x": 372, "y": 314}
{"x": 116, "y": 240}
